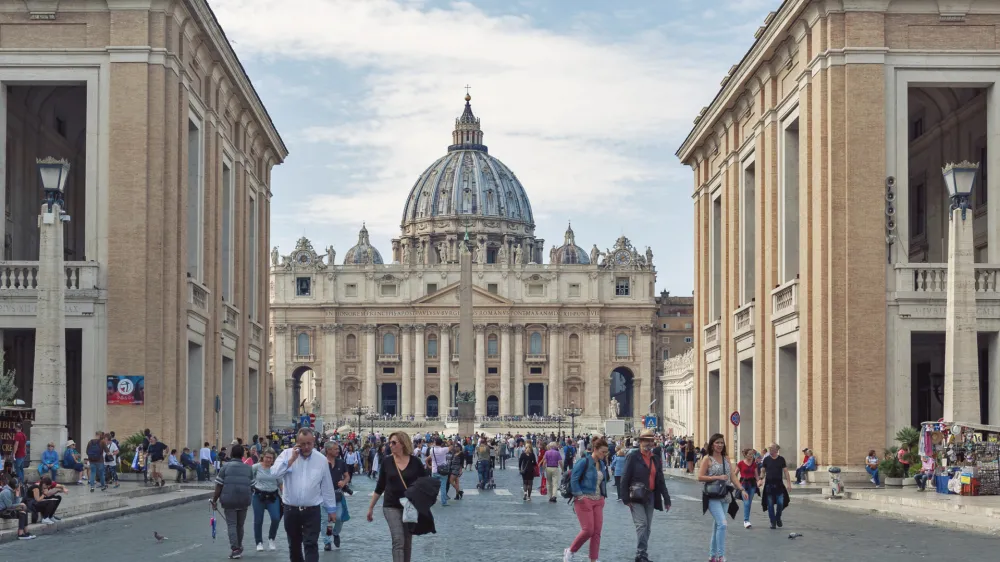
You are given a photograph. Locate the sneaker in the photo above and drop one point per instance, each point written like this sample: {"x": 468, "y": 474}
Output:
{"x": 336, "y": 541}
{"x": 569, "y": 556}
{"x": 746, "y": 524}
{"x": 271, "y": 545}
{"x": 260, "y": 547}
{"x": 779, "y": 521}
{"x": 327, "y": 547}
{"x": 552, "y": 499}
{"x": 56, "y": 519}
{"x": 872, "y": 480}
{"x": 235, "y": 554}
{"x": 48, "y": 521}
{"x": 772, "y": 525}
{"x": 25, "y": 537}
{"x": 91, "y": 489}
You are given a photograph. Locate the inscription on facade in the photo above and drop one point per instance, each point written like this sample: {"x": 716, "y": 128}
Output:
{"x": 942, "y": 311}
{"x": 450, "y": 312}
{"x": 31, "y": 309}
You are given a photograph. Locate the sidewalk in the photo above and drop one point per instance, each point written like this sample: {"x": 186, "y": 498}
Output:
{"x": 81, "y": 507}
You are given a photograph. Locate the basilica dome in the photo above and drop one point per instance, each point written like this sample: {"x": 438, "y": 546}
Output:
{"x": 569, "y": 253}
{"x": 363, "y": 252}
{"x": 468, "y": 182}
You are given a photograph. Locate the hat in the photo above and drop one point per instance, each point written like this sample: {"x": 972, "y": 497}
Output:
{"x": 806, "y": 450}
{"x": 70, "y": 443}
{"x": 647, "y": 434}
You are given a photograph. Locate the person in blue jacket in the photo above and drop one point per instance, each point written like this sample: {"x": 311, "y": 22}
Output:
{"x": 589, "y": 484}
{"x": 618, "y": 465}
{"x": 50, "y": 462}
{"x": 808, "y": 464}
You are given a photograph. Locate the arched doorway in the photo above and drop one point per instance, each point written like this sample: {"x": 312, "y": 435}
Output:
{"x": 492, "y": 406}
{"x": 297, "y": 396}
{"x": 432, "y": 406}
{"x": 622, "y": 391}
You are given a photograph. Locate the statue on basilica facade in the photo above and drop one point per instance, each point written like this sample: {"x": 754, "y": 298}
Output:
{"x": 552, "y": 255}
{"x": 595, "y": 255}
{"x": 420, "y": 253}
{"x": 331, "y": 255}
{"x": 613, "y": 409}
{"x": 517, "y": 254}
{"x": 649, "y": 257}
{"x": 442, "y": 251}
{"x": 274, "y": 256}
{"x": 480, "y": 253}
{"x": 502, "y": 255}
{"x": 405, "y": 259}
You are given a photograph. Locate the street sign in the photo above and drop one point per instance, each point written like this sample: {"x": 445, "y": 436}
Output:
{"x": 312, "y": 420}
{"x": 734, "y": 418}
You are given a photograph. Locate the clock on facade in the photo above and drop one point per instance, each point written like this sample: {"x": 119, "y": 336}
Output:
{"x": 303, "y": 258}
{"x": 622, "y": 257}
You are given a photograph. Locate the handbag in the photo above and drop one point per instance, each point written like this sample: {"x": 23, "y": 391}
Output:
{"x": 716, "y": 489}
{"x": 410, "y": 514}
{"x": 443, "y": 469}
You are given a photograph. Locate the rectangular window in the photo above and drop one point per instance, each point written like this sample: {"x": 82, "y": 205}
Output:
{"x": 195, "y": 202}
{"x": 388, "y": 370}
{"x": 227, "y": 233}
{"x": 687, "y": 325}
{"x": 574, "y": 289}
{"x": 664, "y": 326}
{"x": 303, "y": 286}
{"x": 491, "y": 347}
{"x": 253, "y": 220}
{"x": 789, "y": 225}
{"x": 351, "y": 290}
{"x": 491, "y": 370}
{"x": 432, "y": 288}
{"x": 621, "y": 287}
{"x": 748, "y": 223}
{"x": 715, "y": 262}
{"x": 535, "y": 290}
{"x": 432, "y": 348}
{"x": 687, "y": 340}
{"x": 665, "y": 355}
{"x": 492, "y": 288}
{"x": 432, "y": 370}
{"x": 536, "y": 370}
{"x": 918, "y": 210}
{"x": 388, "y": 290}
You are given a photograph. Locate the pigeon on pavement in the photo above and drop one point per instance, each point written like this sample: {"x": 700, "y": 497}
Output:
{"x": 159, "y": 537}
{"x": 794, "y": 535}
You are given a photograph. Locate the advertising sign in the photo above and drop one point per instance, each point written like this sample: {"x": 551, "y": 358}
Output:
{"x": 126, "y": 390}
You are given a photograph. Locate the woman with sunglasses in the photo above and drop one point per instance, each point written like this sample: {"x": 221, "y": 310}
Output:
{"x": 400, "y": 470}
{"x": 716, "y": 466}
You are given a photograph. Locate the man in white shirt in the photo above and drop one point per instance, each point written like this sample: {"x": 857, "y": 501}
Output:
{"x": 307, "y": 484}
{"x": 205, "y": 459}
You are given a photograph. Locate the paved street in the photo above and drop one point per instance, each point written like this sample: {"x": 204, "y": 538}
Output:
{"x": 508, "y": 530}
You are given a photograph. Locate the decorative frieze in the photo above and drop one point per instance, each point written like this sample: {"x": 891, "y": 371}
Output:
{"x": 280, "y": 328}
{"x": 331, "y": 328}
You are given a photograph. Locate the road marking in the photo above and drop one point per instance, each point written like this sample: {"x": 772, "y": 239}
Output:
{"x": 687, "y": 498}
{"x": 501, "y": 492}
{"x": 181, "y": 550}
{"x": 504, "y": 528}
{"x": 472, "y": 492}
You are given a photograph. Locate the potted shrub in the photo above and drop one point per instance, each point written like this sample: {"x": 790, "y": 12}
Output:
{"x": 891, "y": 469}
{"x": 909, "y": 438}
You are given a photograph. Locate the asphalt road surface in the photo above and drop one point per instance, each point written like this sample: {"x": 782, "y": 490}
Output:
{"x": 498, "y": 526}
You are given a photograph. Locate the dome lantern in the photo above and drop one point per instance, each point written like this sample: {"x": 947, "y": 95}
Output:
{"x": 467, "y": 134}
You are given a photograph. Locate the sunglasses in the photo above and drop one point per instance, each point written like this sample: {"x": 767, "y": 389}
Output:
{"x": 394, "y": 442}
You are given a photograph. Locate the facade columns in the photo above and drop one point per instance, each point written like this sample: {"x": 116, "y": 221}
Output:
{"x": 281, "y": 395}
{"x": 406, "y": 358}
{"x": 371, "y": 388}
{"x": 505, "y": 369}
{"x": 329, "y": 399}
{"x": 555, "y": 369}
{"x": 518, "y": 370}
{"x": 592, "y": 404}
{"x": 444, "y": 371}
{"x": 480, "y": 369}
{"x": 993, "y": 158}
{"x": 420, "y": 370}
{"x": 641, "y": 392}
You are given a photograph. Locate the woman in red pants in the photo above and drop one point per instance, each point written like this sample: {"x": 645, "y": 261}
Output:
{"x": 589, "y": 483}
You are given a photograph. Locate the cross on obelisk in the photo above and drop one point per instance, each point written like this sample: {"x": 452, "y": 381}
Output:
{"x": 467, "y": 88}
{"x": 466, "y": 400}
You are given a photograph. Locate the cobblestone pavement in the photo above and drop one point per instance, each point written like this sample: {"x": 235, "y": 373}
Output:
{"x": 497, "y": 525}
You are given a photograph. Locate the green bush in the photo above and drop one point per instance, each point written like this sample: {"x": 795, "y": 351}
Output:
{"x": 908, "y": 438}
{"x": 889, "y": 466}
{"x": 126, "y": 450}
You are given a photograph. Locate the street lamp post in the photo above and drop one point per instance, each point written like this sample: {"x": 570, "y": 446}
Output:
{"x": 49, "y": 384}
{"x": 572, "y": 412}
{"x": 372, "y": 416}
{"x": 559, "y": 419}
{"x": 961, "y": 357}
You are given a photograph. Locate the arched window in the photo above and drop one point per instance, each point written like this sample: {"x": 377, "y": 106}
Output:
{"x": 535, "y": 347}
{"x": 432, "y": 406}
{"x": 388, "y": 344}
{"x": 492, "y": 349}
{"x": 302, "y": 344}
{"x": 432, "y": 346}
{"x": 621, "y": 345}
{"x": 352, "y": 345}
{"x": 574, "y": 345}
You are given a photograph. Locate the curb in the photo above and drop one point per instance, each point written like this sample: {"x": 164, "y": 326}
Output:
{"x": 97, "y": 516}
{"x": 845, "y": 505}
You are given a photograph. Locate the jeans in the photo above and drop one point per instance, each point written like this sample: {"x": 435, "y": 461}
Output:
{"x": 235, "y": 520}
{"x": 111, "y": 469}
{"x": 206, "y": 469}
{"x": 484, "y": 471}
{"x": 97, "y": 468}
{"x": 800, "y": 474}
{"x": 302, "y": 528}
{"x": 553, "y": 476}
{"x": 181, "y": 472}
{"x": 52, "y": 469}
{"x": 718, "y": 510}
{"x": 873, "y": 472}
{"x": 642, "y": 518}
{"x": 19, "y": 469}
{"x": 775, "y": 504}
{"x": 921, "y": 478}
{"x": 748, "y": 504}
{"x": 443, "y": 481}
{"x": 590, "y": 514}
{"x": 325, "y": 521}
{"x": 402, "y": 539}
{"x": 259, "y": 509}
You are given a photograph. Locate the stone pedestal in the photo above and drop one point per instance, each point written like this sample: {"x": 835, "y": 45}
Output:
{"x": 49, "y": 384}
{"x": 961, "y": 352}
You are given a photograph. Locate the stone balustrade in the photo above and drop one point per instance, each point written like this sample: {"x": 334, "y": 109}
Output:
{"x": 623, "y": 358}
{"x": 743, "y": 319}
{"x": 304, "y": 358}
{"x": 197, "y": 297}
{"x": 23, "y": 275}
{"x": 231, "y": 318}
{"x": 931, "y": 279}
{"x": 388, "y": 358}
{"x": 711, "y": 335}
{"x": 785, "y": 300}
{"x": 535, "y": 358}
{"x": 256, "y": 332}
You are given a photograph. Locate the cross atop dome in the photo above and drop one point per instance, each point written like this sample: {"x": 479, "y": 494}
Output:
{"x": 467, "y": 134}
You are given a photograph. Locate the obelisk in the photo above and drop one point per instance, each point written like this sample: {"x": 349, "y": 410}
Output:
{"x": 961, "y": 349}
{"x": 49, "y": 377}
{"x": 466, "y": 399}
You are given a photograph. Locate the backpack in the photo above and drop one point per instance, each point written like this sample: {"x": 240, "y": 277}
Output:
{"x": 565, "y": 488}
{"x": 94, "y": 453}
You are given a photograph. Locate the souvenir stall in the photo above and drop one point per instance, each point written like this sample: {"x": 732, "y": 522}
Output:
{"x": 966, "y": 457}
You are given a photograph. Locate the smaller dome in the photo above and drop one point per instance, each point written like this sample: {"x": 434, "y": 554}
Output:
{"x": 569, "y": 253}
{"x": 363, "y": 253}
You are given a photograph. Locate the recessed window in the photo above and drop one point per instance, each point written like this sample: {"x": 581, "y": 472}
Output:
{"x": 536, "y": 370}
{"x": 351, "y": 290}
{"x": 388, "y": 290}
{"x": 664, "y": 326}
{"x": 621, "y": 345}
{"x": 535, "y": 343}
{"x": 687, "y": 325}
{"x": 388, "y": 370}
{"x": 432, "y": 288}
{"x": 916, "y": 128}
{"x": 491, "y": 371}
{"x": 491, "y": 346}
{"x": 621, "y": 287}
{"x": 303, "y": 286}
{"x": 665, "y": 355}
{"x": 492, "y": 287}
{"x": 687, "y": 340}
{"x": 432, "y": 346}
{"x": 535, "y": 290}
{"x": 432, "y": 370}
{"x": 574, "y": 289}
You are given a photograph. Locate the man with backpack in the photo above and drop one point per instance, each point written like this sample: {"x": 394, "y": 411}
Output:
{"x": 569, "y": 454}
{"x": 95, "y": 454}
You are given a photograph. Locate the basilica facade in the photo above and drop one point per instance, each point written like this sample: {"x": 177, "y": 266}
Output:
{"x": 566, "y": 328}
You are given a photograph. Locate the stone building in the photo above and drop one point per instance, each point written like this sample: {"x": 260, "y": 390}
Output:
{"x": 171, "y": 152}
{"x": 818, "y": 195}
{"x": 677, "y": 382}
{"x": 673, "y": 334}
{"x": 570, "y": 332}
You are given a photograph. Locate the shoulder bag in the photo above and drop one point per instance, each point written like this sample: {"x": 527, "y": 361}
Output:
{"x": 717, "y": 489}
{"x": 638, "y": 491}
{"x": 444, "y": 469}
{"x": 410, "y": 514}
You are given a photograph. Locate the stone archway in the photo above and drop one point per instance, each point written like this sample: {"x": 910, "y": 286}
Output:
{"x": 623, "y": 390}
{"x": 296, "y": 393}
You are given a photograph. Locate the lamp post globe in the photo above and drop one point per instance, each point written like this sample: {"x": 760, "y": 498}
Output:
{"x": 960, "y": 179}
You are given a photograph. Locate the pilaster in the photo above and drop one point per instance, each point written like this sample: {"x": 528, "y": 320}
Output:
{"x": 420, "y": 372}
{"x": 331, "y": 382}
{"x": 518, "y": 369}
{"x": 406, "y": 359}
{"x": 505, "y": 369}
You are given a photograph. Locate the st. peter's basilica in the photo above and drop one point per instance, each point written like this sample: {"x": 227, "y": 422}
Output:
{"x": 574, "y": 331}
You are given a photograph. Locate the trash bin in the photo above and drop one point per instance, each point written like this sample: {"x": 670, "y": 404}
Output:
{"x": 836, "y": 488}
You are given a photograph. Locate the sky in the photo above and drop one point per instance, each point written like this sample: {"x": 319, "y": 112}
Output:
{"x": 585, "y": 100}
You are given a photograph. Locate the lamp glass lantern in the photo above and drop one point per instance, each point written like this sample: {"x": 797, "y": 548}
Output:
{"x": 960, "y": 179}
{"x": 53, "y": 174}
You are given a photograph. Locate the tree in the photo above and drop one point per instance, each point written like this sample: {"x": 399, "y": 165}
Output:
{"x": 8, "y": 390}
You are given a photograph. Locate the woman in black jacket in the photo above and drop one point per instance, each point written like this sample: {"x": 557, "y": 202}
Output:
{"x": 527, "y": 465}
{"x": 643, "y": 489}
